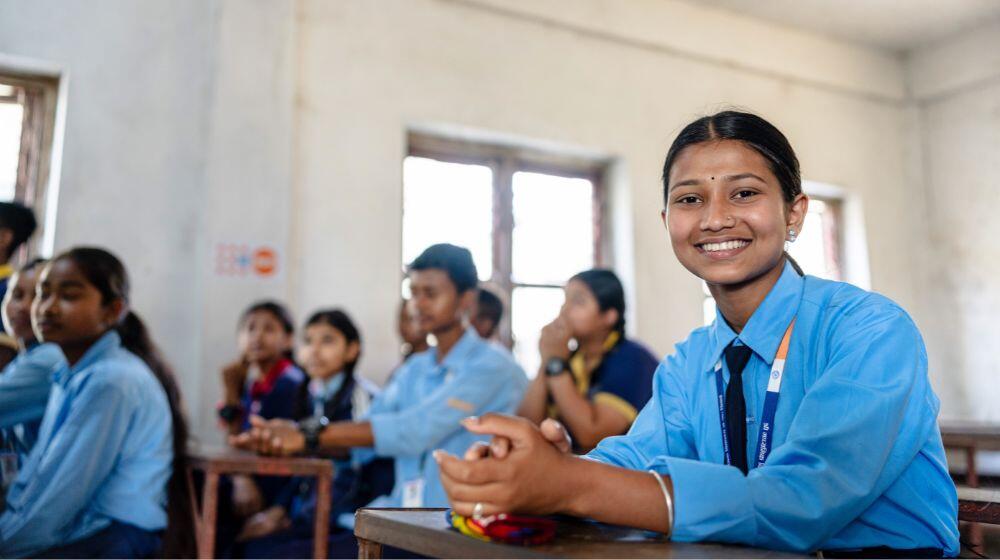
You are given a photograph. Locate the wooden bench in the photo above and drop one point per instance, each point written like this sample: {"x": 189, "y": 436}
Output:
{"x": 971, "y": 437}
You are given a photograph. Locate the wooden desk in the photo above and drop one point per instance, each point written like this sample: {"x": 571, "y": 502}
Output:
{"x": 971, "y": 437}
{"x": 978, "y": 505}
{"x": 215, "y": 462}
{"x": 425, "y": 531}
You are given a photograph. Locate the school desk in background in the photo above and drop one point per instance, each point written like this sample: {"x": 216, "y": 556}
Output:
{"x": 215, "y": 462}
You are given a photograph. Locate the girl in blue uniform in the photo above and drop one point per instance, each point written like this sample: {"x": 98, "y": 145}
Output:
{"x": 801, "y": 419}
{"x": 263, "y": 381}
{"x": 331, "y": 347}
{"x": 106, "y": 476}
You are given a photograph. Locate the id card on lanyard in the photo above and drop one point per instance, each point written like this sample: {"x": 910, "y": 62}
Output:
{"x": 764, "y": 438}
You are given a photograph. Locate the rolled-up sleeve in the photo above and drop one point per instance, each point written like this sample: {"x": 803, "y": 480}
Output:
{"x": 858, "y": 427}
{"x": 420, "y": 426}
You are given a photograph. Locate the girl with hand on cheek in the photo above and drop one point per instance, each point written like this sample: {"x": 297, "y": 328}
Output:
{"x": 106, "y": 477}
{"x": 331, "y": 347}
{"x": 264, "y": 381}
{"x": 597, "y": 389}
{"x": 802, "y": 418}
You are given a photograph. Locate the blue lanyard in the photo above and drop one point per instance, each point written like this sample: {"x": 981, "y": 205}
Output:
{"x": 764, "y": 438}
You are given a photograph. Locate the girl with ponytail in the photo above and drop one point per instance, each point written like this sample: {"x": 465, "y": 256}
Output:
{"x": 106, "y": 477}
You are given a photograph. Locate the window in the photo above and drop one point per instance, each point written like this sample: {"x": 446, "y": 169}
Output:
{"x": 531, "y": 220}
{"x": 817, "y": 248}
{"x": 27, "y": 122}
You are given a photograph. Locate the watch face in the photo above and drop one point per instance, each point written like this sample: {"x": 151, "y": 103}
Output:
{"x": 555, "y": 366}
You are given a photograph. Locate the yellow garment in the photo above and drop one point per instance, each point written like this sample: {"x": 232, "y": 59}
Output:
{"x": 6, "y": 271}
{"x": 582, "y": 378}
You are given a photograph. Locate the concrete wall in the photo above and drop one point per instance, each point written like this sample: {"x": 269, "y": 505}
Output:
{"x": 284, "y": 122}
{"x": 138, "y": 76}
{"x": 955, "y": 87}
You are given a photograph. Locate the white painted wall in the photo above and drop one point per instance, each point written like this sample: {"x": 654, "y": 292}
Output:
{"x": 284, "y": 122}
{"x": 138, "y": 75}
{"x": 956, "y": 114}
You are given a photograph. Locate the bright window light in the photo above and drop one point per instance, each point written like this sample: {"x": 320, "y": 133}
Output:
{"x": 448, "y": 203}
{"x": 11, "y": 116}
{"x": 533, "y": 308}
{"x": 553, "y": 235}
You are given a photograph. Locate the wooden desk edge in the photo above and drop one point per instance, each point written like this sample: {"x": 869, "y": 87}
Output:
{"x": 373, "y": 530}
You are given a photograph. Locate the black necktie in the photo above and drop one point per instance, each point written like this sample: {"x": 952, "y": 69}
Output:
{"x": 736, "y": 407}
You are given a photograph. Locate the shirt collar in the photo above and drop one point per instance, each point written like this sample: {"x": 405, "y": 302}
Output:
{"x": 109, "y": 342}
{"x": 326, "y": 389}
{"x": 465, "y": 345}
{"x": 6, "y": 271}
{"x": 766, "y": 326}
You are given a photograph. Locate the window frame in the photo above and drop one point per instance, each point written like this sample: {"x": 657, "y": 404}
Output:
{"x": 40, "y": 97}
{"x": 504, "y": 161}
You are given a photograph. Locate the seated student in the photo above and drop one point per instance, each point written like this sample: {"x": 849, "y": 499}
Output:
{"x": 264, "y": 381}
{"x": 413, "y": 336}
{"x": 420, "y": 410}
{"x": 106, "y": 477}
{"x": 801, "y": 419}
{"x": 598, "y": 389}
{"x": 486, "y": 317}
{"x": 17, "y": 223}
{"x": 25, "y": 382}
{"x": 330, "y": 352}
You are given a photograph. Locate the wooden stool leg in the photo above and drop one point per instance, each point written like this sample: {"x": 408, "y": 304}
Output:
{"x": 369, "y": 549}
{"x": 322, "y": 530}
{"x": 209, "y": 504}
{"x": 971, "y": 475}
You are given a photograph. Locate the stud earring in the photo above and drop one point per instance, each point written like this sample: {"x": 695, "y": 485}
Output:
{"x": 792, "y": 235}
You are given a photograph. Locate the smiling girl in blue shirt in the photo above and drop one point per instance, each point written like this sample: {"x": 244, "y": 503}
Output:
{"x": 106, "y": 476}
{"x": 851, "y": 461}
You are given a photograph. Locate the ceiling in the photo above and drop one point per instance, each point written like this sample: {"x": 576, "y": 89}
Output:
{"x": 897, "y": 25}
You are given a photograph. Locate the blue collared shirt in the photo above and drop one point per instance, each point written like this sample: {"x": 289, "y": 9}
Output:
{"x": 24, "y": 389}
{"x": 104, "y": 452}
{"x": 421, "y": 408}
{"x": 857, "y": 459}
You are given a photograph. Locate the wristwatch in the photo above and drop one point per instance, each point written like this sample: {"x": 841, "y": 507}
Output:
{"x": 230, "y": 412}
{"x": 556, "y": 366}
{"x": 311, "y": 428}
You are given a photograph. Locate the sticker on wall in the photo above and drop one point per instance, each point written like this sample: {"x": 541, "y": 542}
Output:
{"x": 247, "y": 260}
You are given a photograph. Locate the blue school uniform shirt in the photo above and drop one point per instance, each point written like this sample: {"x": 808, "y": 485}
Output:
{"x": 24, "y": 390}
{"x": 857, "y": 459}
{"x": 420, "y": 410}
{"x": 104, "y": 452}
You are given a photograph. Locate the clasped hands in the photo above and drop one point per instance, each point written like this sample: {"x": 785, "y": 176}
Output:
{"x": 521, "y": 470}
